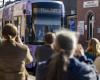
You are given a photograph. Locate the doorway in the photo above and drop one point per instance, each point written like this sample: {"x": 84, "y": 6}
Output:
{"x": 90, "y": 25}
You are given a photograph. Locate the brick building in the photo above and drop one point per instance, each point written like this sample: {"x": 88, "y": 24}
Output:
{"x": 88, "y": 19}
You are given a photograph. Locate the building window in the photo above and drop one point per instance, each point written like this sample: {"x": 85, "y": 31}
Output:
{"x": 90, "y": 25}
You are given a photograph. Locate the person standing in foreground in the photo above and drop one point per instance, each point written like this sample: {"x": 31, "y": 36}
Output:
{"x": 13, "y": 55}
{"x": 64, "y": 66}
{"x": 42, "y": 55}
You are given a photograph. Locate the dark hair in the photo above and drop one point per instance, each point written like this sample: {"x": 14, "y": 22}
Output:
{"x": 65, "y": 43}
{"x": 9, "y": 30}
{"x": 67, "y": 40}
{"x": 48, "y": 38}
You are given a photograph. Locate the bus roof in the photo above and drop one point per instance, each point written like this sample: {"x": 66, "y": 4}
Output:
{"x": 35, "y": 1}
{"x": 54, "y": 2}
{"x": 59, "y": 2}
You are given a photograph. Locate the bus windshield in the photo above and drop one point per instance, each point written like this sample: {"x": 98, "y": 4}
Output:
{"x": 46, "y": 17}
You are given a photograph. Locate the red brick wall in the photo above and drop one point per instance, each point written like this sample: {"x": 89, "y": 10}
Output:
{"x": 82, "y": 16}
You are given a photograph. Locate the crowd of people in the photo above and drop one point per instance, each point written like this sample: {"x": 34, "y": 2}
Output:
{"x": 62, "y": 57}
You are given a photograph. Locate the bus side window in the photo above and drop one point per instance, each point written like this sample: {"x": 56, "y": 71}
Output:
{"x": 10, "y": 21}
{"x": 6, "y": 22}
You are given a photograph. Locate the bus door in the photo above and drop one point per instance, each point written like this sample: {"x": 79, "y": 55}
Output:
{"x": 17, "y": 22}
{"x": 29, "y": 29}
{"x": 71, "y": 23}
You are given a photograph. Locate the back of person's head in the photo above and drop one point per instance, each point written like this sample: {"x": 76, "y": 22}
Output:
{"x": 92, "y": 45}
{"x": 49, "y": 38}
{"x": 66, "y": 40}
{"x": 9, "y": 31}
{"x": 65, "y": 44}
{"x": 93, "y": 41}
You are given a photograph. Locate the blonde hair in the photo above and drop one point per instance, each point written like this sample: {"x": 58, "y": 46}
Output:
{"x": 94, "y": 44}
{"x": 98, "y": 49}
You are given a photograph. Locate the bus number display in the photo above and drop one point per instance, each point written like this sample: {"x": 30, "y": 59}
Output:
{"x": 46, "y": 11}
